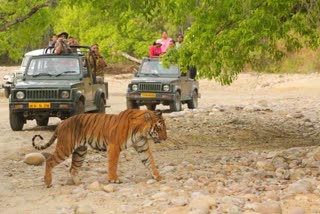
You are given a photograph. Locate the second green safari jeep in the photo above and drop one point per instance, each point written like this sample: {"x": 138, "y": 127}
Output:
{"x": 155, "y": 84}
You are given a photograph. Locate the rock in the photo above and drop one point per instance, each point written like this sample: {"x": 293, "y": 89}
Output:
{"x": 297, "y": 174}
{"x": 201, "y": 204}
{"x": 179, "y": 201}
{"x": 316, "y": 154}
{"x": 267, "y": 207}
{"x": 161, "y": 196}
{"x": 108, "y": 188}
{"x": 95, "y": 186}
{"x": 36, "y": 159}
{"x": 83, "y": 209}
{"x": 151, "y": 181}
{"x": 265, "y": 165}
{"x": 295, "y": 115}
{"x": 296, "y": 210}
{"x": 301, "y": 186}
{"x": 279, "y": 161}
{"x": 176, "y": 210}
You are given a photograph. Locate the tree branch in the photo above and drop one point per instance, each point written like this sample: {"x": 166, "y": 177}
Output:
{"x": 32, "y": 11}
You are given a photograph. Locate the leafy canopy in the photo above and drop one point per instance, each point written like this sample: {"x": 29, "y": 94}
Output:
{"x": 222, "y": 37}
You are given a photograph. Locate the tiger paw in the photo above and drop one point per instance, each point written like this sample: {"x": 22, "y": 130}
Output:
{"x": 158, "y": 178}
{"x": 116, "y": 181}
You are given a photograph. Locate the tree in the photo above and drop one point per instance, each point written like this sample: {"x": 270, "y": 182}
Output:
{"x": 222, "y": 37}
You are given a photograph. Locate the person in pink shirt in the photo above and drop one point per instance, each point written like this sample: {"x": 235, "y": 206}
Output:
{"x": 165, "y": 41}
{"x": 155, "y": 49}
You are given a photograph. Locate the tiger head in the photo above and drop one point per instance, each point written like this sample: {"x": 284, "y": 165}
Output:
{"x": 158, "y": 130}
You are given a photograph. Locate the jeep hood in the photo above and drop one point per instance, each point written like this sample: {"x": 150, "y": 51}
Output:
{"x": 155, "y": 79}
{"x": 47, "y": 84}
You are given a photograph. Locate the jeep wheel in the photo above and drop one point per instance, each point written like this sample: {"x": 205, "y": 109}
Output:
{"x": 42, "y": 121}
{"x": 151, "y": 107}
{"x": 6, "y": 92}
{"x": 131, "y": 104}
{"x": 193, "y": 103}
{"x": 176, "y": 105}
{"x": 101, "y": 107}
{"x": 79, "y": 108}
{"x": 16, "y": 121}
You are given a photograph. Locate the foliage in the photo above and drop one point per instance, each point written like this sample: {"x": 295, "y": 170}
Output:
{"x": 222, "y": 37}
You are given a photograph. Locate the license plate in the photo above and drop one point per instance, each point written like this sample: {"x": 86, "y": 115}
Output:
{"x": 148, "y": 95}
{"x": 39, "y": 105}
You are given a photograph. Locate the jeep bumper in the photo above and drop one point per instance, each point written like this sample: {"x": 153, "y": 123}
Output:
{"x": 150, "y": 97}
{"x": 31, "y": 110}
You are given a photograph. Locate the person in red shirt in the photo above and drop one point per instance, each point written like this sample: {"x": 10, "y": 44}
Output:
{"x": 155, "y": 49}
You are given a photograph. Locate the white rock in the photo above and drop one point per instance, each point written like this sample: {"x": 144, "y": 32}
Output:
{"x": 316, "y": 154}
{"x": 161, "y": 196}
{"x": 301, "y": 186}
{"x": 268, "y": 207}
{"x": 95, "y": 186}
{"x": 179, "y": 201}
{"x": 83, "y": 209}
{"x": 296, "y": 210}
{"x": 108, "y": 188}
{"x": 201, "y": 204}
{"x": 265, "y": 165}
{"x": 35, "y": 158}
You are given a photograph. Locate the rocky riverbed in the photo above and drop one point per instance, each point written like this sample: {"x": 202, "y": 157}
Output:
{"x": 252, "y": 147}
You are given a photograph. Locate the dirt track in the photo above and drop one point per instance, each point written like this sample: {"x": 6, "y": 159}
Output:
{"x": 220, "y": 152}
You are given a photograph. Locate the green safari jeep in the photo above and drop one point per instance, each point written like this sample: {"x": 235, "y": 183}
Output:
{"x": 155, "y": 84}
{"x": 55, "y": 85}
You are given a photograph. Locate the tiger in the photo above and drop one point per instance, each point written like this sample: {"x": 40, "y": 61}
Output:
{"x": 104, "y": 132}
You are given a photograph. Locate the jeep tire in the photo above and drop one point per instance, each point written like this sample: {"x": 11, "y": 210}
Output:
{"x": 42, "y": 121}
{"x": 101, "y": 107}
{"x": 176, "y": 105}
{"x": 132, "y": 104}
{"x": 6, "y": 92}
{"x": 193, "y": 103}
{"x": 79, "y": 109}
{"x": 16, "y": 121}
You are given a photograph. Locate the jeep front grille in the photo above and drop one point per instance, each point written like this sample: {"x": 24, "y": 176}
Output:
{"x": 42, "y": 94}
{"x": 149, "y": 87}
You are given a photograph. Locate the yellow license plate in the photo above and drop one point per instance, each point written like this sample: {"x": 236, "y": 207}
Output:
{"x": 39, "y": 105}
{"x": 148, "y": 95}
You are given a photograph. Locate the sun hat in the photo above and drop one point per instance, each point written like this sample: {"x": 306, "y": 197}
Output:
{"x": 63, "y": 33}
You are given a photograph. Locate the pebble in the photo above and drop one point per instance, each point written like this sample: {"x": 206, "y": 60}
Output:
{"x": 36, "y": 159}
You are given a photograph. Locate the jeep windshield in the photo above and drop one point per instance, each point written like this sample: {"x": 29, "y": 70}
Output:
{"x": 53, "y": 66}
{"x": 155, "y": 68}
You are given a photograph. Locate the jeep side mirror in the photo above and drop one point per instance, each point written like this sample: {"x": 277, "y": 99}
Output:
{"x": 135, "y": 72}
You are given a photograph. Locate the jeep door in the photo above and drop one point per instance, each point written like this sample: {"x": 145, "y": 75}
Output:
{"x": 186, "y": 85}
{"x": 88, "y": 83}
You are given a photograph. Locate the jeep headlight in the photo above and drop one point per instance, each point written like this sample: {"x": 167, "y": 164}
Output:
{"x": 65, "y": 94}
{"x": 134, "y": 87}
{"x": 166, "y": 87}
{"x": 20, "y": 95}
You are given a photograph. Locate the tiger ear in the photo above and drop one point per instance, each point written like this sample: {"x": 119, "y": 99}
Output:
{"x": 147, "y": 116}
{"x": 158, "y": 112}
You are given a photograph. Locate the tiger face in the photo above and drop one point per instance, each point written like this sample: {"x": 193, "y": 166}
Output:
{"x": 158, "y": 131}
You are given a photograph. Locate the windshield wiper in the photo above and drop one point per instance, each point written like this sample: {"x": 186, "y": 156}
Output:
{"x": 66, "y": 72}
{"x": 42, "y": 74}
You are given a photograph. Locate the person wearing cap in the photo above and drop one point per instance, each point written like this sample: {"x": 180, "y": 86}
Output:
{"x": 155, "y": 49}
{"x": 100, "y": 62}
{"x": 61, "y": 46}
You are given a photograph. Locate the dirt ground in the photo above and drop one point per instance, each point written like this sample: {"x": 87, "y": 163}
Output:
{"x": 258, "y": 115}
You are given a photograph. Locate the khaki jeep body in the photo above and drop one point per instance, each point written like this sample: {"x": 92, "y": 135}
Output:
{"x": 56, "y": 86}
